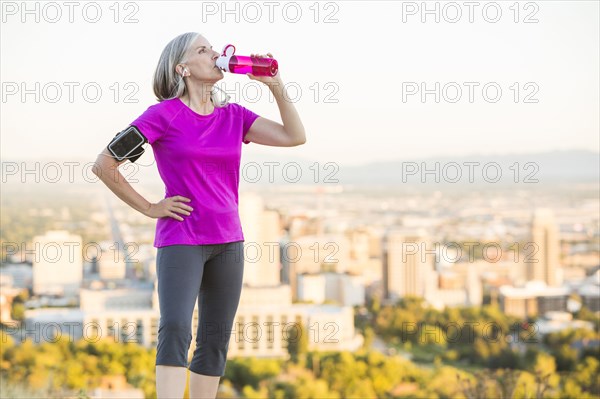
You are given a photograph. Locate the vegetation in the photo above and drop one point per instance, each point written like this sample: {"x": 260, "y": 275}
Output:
{"x": 553, "y": 367}
{"x": 53, "y": 367}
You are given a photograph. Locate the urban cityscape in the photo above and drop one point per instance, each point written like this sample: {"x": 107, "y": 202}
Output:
{"x": 452, "y": 285}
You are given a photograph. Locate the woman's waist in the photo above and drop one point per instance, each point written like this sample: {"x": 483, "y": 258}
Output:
{"x": 201, "y": 218}
{"x": 210, "y": 198}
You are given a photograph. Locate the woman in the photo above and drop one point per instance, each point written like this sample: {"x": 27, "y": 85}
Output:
{"x": 197, "y": 144}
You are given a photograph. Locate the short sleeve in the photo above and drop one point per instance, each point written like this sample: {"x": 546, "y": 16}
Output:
{"x": 248, "y": 118}
{"x": 150, "y": 123}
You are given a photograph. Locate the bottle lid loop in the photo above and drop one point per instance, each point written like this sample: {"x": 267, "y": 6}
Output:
{"x": 227, "y": 52}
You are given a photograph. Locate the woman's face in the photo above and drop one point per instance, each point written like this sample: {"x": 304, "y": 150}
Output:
{"x": 201, "y": 61}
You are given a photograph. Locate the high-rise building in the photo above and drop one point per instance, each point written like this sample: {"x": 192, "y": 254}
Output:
{"x": 111, "y": 264}
{"x": 57, "y": 264}
{"x": 314, "y": 254}
{"x": 533, "y": 299}
{"x": 262, "y": 232}
{"x": 542, "y": 253}
{"x": 360, "y": 261}
{"x": 345, "y": 289}
{"x": 474, "y": 286}
{"x": 311, "y": 287}
{"x": 409, "y": 263}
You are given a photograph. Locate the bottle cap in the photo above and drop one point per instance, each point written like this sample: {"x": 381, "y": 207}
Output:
{"x": 223, "y": 60}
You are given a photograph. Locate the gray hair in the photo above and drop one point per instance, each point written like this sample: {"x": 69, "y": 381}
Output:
{"x": 167, "y": 83}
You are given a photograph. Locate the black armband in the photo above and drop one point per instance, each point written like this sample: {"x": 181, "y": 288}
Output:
{"x": 127, "y": 144}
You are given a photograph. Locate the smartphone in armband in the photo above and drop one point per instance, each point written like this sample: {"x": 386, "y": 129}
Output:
{"x": 127, "y": 144}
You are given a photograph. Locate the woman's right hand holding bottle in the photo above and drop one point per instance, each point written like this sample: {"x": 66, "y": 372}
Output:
{"x": 170, "y": 207}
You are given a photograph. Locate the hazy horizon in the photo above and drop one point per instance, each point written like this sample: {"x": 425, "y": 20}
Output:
{"x": 553, "y": 61}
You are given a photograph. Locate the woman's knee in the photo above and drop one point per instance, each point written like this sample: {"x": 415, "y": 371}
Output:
{"x": 175, "y": 332}
{"x": 174, "y": 339}
{"x": 174, "y": 326}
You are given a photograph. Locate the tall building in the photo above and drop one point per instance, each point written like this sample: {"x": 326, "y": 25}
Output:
{"x": 360, "y": 261}
{"x": 111, "y": 264}
{"x": 534, "y": 299}
{"x": 311, "y": 287}
{"x": 345, "y": 289}
{"x": 359, "y": 245}
{"x": 409, "y": 263}
{"x": 57, "y": 264}
{"x": 314, "y": 254}
{"x": 262, "y": 231}
{"x": 542, "y": 258}
{"x": 474, "y": 287}
{"x": 590, "y": 292}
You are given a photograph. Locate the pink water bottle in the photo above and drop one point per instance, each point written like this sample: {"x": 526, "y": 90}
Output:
{"x": 241, "y": 64}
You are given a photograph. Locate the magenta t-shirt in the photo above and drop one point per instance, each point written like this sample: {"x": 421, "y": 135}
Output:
{"x": 198, "y": 157}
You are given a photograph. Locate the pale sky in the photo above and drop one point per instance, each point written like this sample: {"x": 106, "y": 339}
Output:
{"x": 364, "y": 60}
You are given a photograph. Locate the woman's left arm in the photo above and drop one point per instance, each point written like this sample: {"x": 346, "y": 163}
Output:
{"x": 268, "y": 132}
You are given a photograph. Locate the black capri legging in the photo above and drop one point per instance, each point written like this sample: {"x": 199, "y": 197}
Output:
{"x": 212, "y": 274}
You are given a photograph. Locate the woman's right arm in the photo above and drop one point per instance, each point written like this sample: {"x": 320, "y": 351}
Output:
{"x": 107, "y": 169}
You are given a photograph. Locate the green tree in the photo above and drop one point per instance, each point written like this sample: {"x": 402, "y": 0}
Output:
{"x": 18, "y": 311}
{"x": 544, "y": 371}
{"x": 250, "y": 371}
{"x": 586, "y": 374}
{"x": 297, "y": 343}
{"x": 369, "y": 337}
